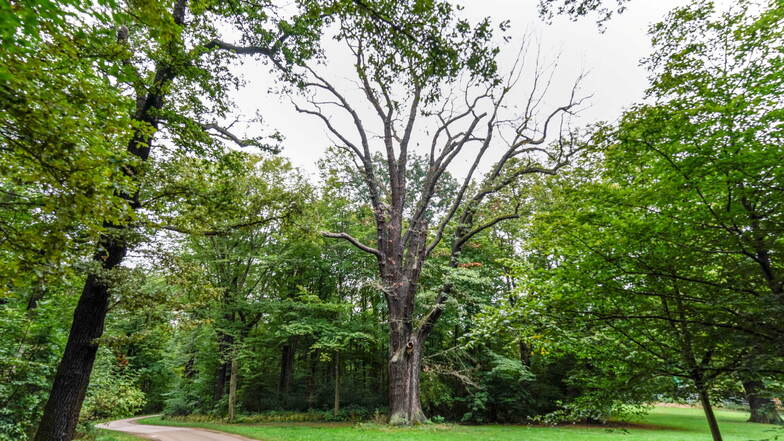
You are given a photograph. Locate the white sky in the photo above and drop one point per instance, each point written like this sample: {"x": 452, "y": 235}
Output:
{"x": 615, "y": 79}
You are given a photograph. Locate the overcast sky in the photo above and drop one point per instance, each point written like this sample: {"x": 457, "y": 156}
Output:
{"x": 612, "y": 60}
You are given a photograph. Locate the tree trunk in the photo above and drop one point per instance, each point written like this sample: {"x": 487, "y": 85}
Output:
{"x": 336, "y": 407}
{"x": 405, "y": 361}
{"x": 64, "y": 404}
{"x": 61, "y": 412}
{"x": 35, "y": 296}
{"x": 763, "y": 409}
{"x": 225, "y": 342}
{"x": 233, "y": 389}
{"x": 312, "y": 380}
{"x": 525, "y": 353}
{"x": 286, "y": 370}
{"x": 220, "y": 380}
{"x": 713, "y": 424}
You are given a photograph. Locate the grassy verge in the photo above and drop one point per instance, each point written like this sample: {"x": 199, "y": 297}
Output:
{"x": 111, "y": 435}
{"x": 663, "y": 424}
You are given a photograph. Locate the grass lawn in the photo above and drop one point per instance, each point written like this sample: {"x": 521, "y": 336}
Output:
{"x": 662, "y": 424}
{"x": 111, "y": 435}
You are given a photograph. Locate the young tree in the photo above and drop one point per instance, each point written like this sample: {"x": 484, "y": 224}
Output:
{"x": 433, "y": 73}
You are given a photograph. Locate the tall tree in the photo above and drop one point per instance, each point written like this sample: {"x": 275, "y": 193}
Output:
{"x": 673, "y": 247}
{"x": 263, "y": 198}
{"x": 713, "y": 136}
{"x": 164, "y": 74}
{"x": 405, "y": 78}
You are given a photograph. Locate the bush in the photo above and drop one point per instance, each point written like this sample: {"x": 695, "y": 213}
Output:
{"x": 438, "y": 419}
{"x": 113, "y": 393}
{"x": 350, "y": 413}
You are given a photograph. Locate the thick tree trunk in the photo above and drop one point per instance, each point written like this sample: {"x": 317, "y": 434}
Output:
{"x": 233, "y": 389}
{"x": 64, "y": 404}
{"x": 61, "y": 412}
{"x": 763, "y": 409}
{"x": 405, "y": 361}
{"x": 713, "y": 424}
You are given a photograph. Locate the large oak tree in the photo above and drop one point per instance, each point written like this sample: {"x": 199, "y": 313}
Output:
{"x": 431, "y": 79}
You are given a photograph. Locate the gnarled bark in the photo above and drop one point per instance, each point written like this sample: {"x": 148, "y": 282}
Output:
{"x": 407, "y": 226}
{"x": 405, "y": 360}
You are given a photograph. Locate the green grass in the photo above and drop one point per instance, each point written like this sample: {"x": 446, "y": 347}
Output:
{"x": 110, "y": 435}
{"x": 663, "y": 424}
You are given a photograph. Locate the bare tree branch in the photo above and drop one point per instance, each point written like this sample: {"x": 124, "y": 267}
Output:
{"x": 353, "y": 241}
{"x": 241, "y": 142}
{"x": 218, "y": 232}
{"x": 243, "y": 50}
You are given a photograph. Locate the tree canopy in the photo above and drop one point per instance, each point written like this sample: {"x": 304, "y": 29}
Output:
{"x": 468, "y": 251}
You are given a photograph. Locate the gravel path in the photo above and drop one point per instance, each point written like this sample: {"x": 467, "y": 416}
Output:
{"x": 166, "y": 433}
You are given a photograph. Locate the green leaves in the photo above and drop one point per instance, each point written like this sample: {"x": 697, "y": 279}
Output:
{"x": 415, "y": 44}
{"x": 62, "y": 138}
{"x": 113, "y": 391}
{"x": 660, "y": 257}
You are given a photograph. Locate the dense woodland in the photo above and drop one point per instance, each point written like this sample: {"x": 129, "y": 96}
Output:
{"x": 155, "y": 259}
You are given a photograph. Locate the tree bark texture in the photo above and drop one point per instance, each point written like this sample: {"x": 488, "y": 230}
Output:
{"x": 405, "y": 360}
{"x": 61, "y": 413}
{"x": 763, "y": 409}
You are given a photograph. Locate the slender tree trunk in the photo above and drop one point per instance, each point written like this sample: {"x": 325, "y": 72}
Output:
{"x": 220, "y": 380}
{"x": 383, "y": 378}
{"x": 35, "y": 296}
{"x": 336, "y": 406}
{"x": 233, "y": 389}
{"x": 713, "y": 424}
{"x": 763, "y": 409}
{"x": 225, "y": 342}
{"x": 61, "y": 412}
{"x": 525, "y": 353}
{"x": 312, "y": 380}
{"x": 286, "y": 370}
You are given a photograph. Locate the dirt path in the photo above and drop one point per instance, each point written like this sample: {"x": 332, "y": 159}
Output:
{"x": 166, "y": 433}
